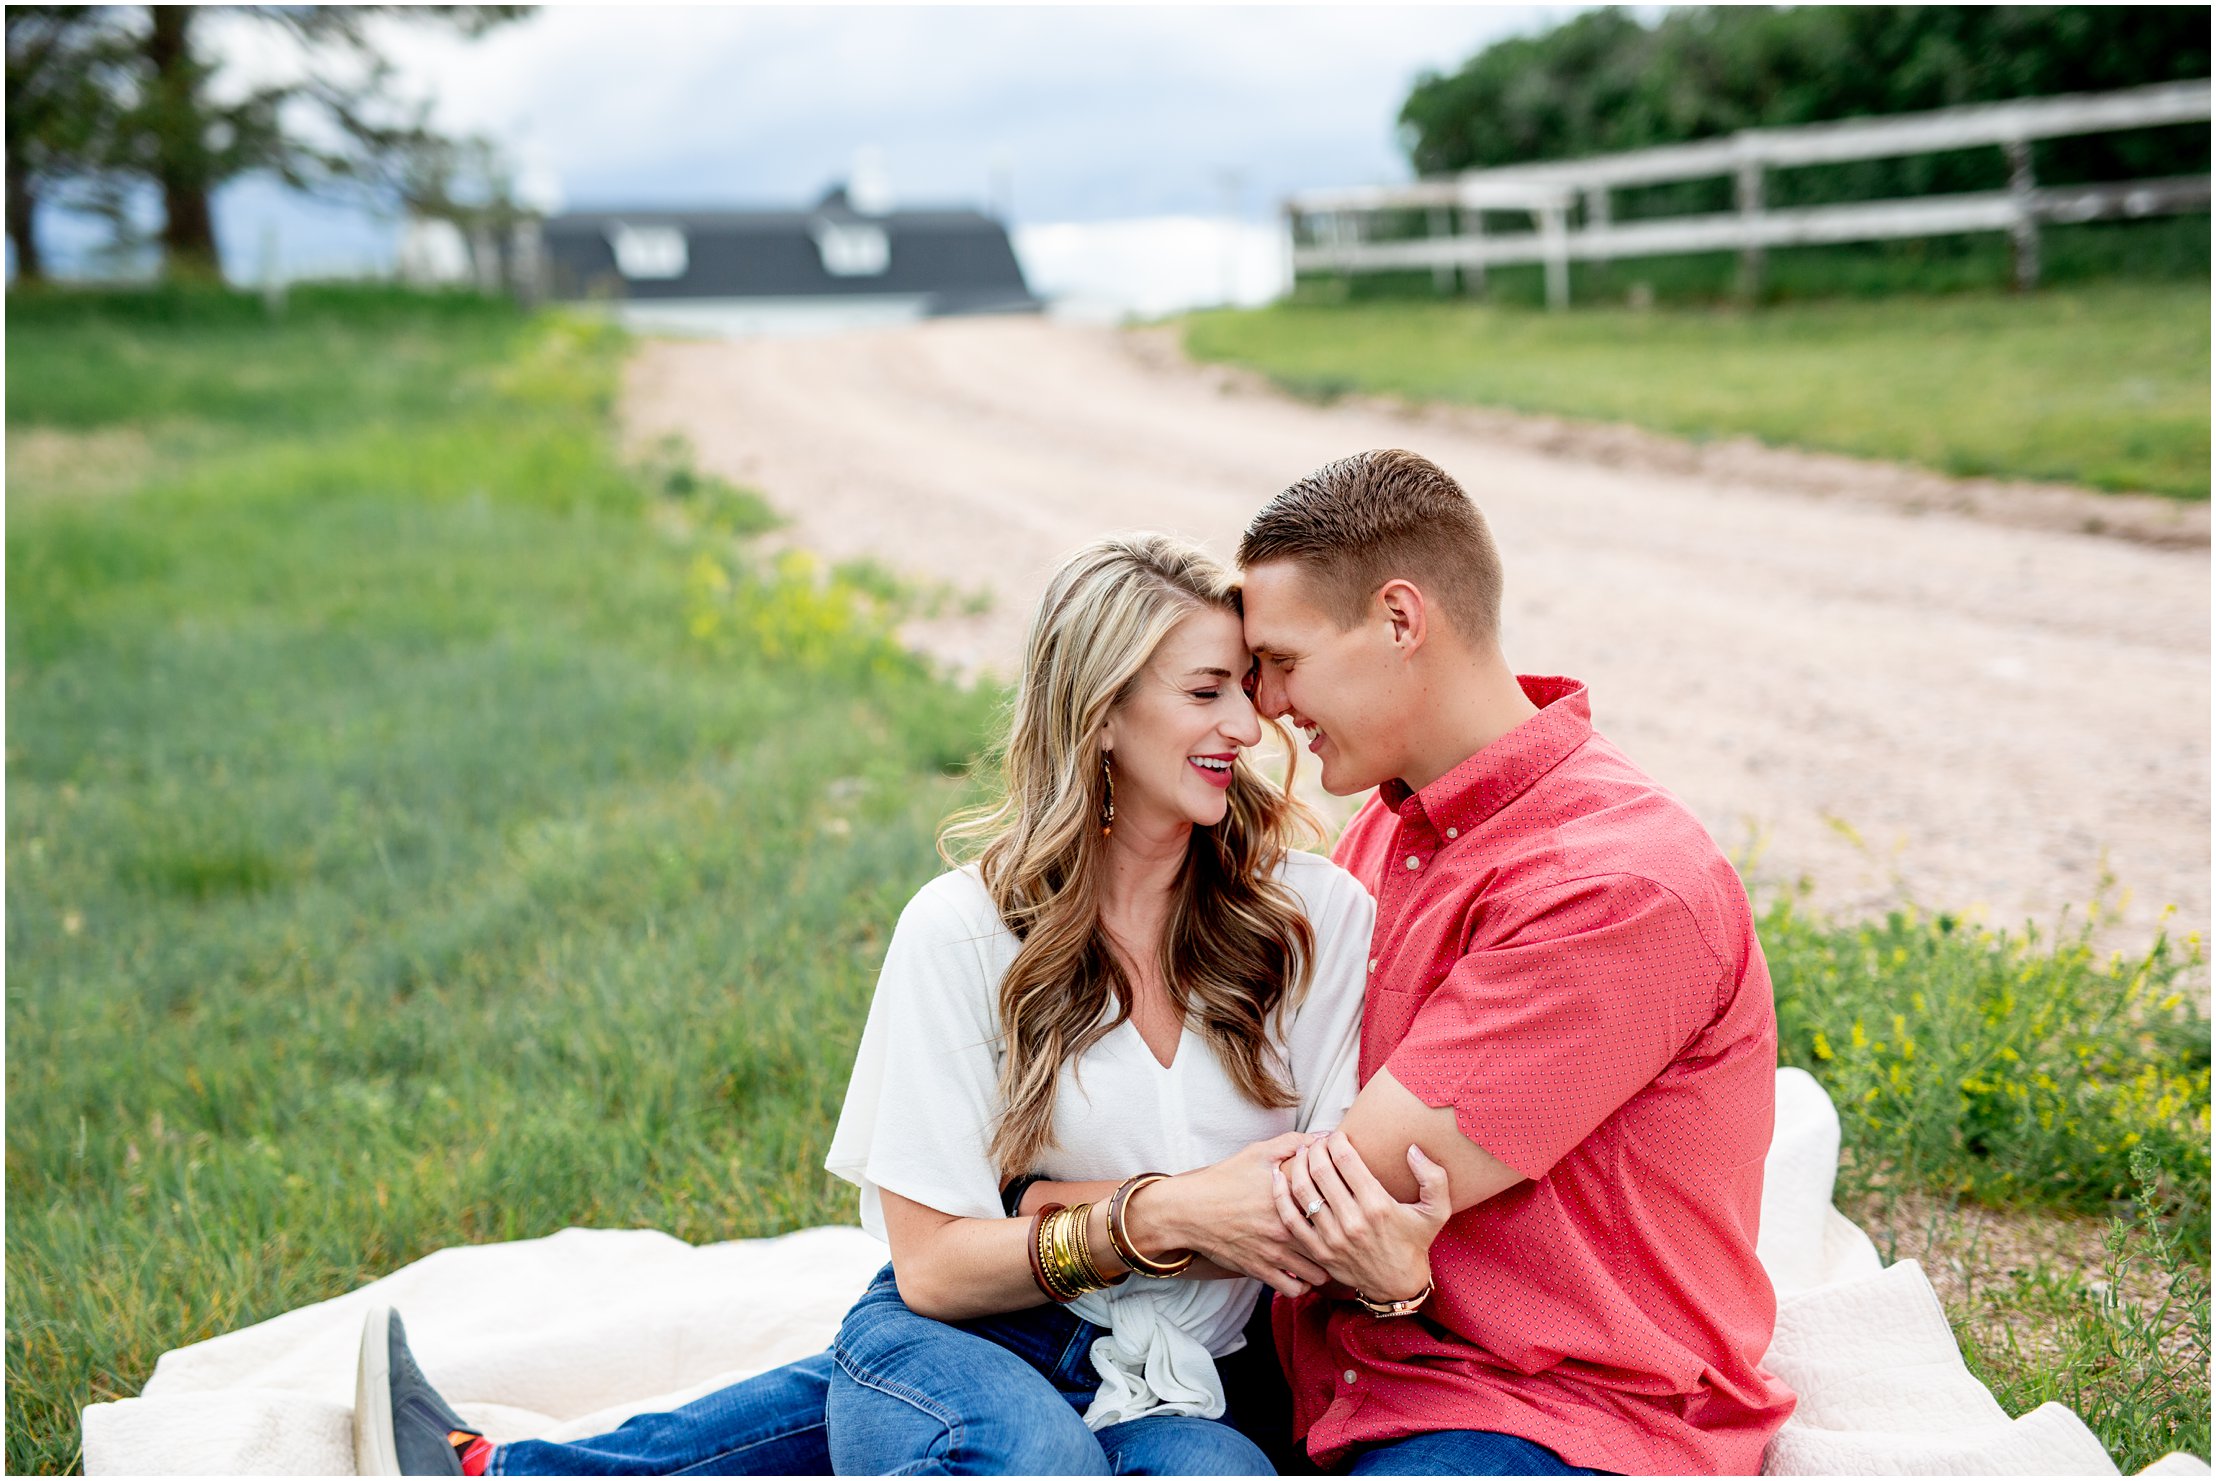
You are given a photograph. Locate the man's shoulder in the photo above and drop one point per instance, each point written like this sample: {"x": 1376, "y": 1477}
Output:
{"x": 1610, "y": 826}
{"x": 1610, "y": 816}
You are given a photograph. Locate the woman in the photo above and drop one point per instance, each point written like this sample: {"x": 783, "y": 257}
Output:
{"x": 1136, "y": 976}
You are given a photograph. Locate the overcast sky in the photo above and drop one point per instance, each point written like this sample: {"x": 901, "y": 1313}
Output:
{"x": 1093, "y": 113}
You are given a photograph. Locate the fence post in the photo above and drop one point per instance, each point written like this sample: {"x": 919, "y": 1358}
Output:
{"x": 1442, "y": 225}
{"x": 1752, "y": 261}
{"x": 1596, "y": 214}
{"x": 1473, "y": 227}
{"x": 1554, "y": 241}
{"x": 2023, "y": 232}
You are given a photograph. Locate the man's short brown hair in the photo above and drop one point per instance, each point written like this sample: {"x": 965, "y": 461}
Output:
{"x": 1379, "y": 516}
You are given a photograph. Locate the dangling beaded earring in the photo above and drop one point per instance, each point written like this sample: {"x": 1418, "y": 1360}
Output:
{"x": 1108, "y": 801}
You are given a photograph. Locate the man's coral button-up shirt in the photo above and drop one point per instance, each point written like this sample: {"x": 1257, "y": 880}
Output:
{"x": 1565, "y": 957}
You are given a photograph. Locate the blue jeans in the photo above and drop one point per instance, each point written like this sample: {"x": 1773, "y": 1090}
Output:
{"x": 767, "y": 1425}
{"x": 904, "y": 1394}
{"x": 997, "y": 1396}
{"x": 1463, "y": 1453}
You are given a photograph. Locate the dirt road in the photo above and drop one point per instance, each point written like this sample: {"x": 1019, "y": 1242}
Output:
{"x": 1889, "y": 704}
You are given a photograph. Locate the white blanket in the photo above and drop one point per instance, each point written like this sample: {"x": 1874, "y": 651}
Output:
{"x": 569, "y": 1335}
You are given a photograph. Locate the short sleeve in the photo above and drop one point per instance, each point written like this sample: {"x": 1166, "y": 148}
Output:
{"x": 1578, "y": 996}
{"x": 919, "y": 1106}
{"x": 1324, "y": 1041}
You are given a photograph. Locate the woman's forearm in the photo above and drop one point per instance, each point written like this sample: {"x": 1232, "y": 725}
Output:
{"x": 967, "y": 1268}
{"x": 954, "y": 1269}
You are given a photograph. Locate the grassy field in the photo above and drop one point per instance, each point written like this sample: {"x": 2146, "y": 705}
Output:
{"x": 423, "y": 828}
{"x": 420, "y": 828}
{"x": 2102, "y": 384}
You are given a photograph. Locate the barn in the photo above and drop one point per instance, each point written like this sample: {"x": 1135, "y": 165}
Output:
{"x": 692, "y": 268}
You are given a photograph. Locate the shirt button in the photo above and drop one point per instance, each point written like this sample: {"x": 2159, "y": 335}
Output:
{"x": 1373, "y": 964}
{"x": 1454, "y": 833}
{"x": 1349, "y": 1375}
{"x": 1414, "y": 862}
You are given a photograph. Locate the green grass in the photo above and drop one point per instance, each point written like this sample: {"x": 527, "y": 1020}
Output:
{"x": 2105, "y": 385}
{"x": 2127, "y": 1350}
{"x": 2171, "y": 249}
{"x": 410, "y": 840}
{"x": 424, "y": 828}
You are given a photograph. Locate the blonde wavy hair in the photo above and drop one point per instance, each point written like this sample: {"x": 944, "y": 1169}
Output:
{"x": 1238, "y": 950}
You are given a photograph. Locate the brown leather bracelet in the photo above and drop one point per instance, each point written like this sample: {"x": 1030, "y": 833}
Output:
{"x": 1120, "y": 1237}
{"x": 1038, "y": 1265}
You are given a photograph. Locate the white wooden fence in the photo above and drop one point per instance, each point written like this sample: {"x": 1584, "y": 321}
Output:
{"x": 1339, "y": 223}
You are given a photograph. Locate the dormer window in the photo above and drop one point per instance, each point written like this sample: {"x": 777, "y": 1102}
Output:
{"x": 648, "y": 252}
{"x": 852, "y": 249}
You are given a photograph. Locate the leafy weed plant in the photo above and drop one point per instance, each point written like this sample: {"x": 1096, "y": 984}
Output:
{"x": 2128, "y": 1353}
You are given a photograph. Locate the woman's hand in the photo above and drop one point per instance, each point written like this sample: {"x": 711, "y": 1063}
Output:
{"x": 1228, "y": 1213}
{"x": 1365, "y": 1238}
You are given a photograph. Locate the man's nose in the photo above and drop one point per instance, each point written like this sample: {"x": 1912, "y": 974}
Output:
{"x": 1269, "y": 694}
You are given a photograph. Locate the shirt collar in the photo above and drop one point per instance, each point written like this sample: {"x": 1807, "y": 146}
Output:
{"x": 1496, "y": 776}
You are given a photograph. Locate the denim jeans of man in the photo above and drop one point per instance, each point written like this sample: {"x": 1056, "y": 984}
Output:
{"x": 905, "y": 1394}
{"x": 1463, "y": 1453}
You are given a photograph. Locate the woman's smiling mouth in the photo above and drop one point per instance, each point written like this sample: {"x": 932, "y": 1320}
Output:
{"x": 1217, "y": 769}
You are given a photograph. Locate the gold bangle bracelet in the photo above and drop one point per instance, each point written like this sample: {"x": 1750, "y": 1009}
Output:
{"x": 1084, "y": 1227}
{"x": 1039, "y": 1272}
{"x": 1119, "y": 1233}
{"x": 1061, "y": 1255}
{"x": 1072, "y": 1262}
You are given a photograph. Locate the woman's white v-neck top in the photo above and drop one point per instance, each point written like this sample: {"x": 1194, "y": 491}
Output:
{"x": 925, "y": 1091}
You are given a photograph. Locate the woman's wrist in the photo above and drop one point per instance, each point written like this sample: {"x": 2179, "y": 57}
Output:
{"x": 1156, "y": 1217}
{"x": 1105, "y": 1259}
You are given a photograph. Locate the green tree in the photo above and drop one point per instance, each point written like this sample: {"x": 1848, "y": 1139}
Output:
{"x": 1606, "y": 81}
{"x": 156, "y": 117}
{"x": 65, "y": 74}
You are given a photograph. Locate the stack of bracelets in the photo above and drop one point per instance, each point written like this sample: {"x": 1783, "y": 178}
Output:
{"x": 1062, "y": 1252}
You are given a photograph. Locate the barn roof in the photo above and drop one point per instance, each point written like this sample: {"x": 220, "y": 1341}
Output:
{"x": 960, "y": 260}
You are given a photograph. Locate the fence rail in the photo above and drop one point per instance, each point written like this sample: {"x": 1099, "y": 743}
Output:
{"x": 1340, "y": 221}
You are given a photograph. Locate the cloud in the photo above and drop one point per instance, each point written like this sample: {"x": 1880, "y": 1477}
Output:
{"x": 1102, "y": 111}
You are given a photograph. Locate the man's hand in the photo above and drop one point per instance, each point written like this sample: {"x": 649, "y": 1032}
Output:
{"x": 1362, "y": 1236}
{"x": 1228, "y": 1212}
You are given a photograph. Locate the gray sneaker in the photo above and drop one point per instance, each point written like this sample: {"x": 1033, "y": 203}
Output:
{"x": 401, "y": 1425}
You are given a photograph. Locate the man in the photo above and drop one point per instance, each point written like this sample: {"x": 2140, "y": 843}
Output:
{"x": 1567, "y": 1010}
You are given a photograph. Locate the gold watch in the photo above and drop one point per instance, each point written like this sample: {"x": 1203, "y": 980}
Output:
{"x": 1394, "y": 1308}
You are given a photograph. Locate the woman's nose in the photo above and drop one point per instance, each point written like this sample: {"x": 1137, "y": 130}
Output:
{"x": 1245, "y": 728}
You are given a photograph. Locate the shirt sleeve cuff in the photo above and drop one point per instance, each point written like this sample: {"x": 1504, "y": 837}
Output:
{"x": 1478, "y": 1123}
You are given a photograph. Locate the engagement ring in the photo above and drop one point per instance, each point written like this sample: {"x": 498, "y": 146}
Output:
{"x": 1313, "y": 1205}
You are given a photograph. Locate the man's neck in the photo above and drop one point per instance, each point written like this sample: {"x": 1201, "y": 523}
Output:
{"x": 1471, "y": 706}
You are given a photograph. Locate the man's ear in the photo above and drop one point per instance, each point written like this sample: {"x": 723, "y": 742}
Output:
{"x": 1403, "y": 606}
